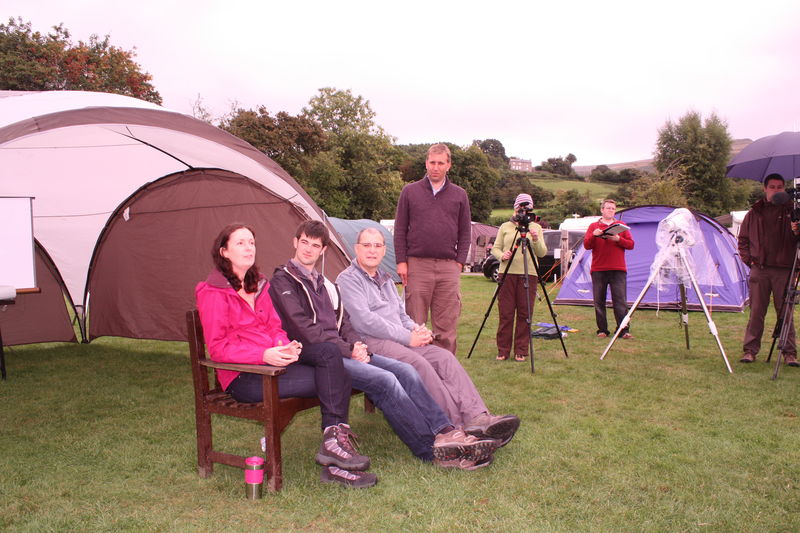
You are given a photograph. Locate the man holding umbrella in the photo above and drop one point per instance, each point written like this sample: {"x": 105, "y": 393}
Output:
{"x": 767, "y": 244}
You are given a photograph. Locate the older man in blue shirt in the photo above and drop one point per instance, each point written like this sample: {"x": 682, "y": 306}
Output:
{"x": 377, "y": 313}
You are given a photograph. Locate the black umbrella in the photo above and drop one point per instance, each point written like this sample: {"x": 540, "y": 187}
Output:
{"x": 774, "y": 154}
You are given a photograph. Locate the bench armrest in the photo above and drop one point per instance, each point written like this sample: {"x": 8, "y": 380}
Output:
{"x": 264, "y": 370}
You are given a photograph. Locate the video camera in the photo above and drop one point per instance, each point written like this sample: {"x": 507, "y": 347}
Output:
{"x": 793, "y": 195}
{"x": 524, "y": 217}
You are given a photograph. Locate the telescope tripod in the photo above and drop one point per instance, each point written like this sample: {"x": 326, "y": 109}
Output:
{"x": 679, "y": 253}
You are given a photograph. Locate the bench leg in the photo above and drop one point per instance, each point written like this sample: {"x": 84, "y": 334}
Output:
{"x": 205, "y": 466}
{"x": 272, "y": 435}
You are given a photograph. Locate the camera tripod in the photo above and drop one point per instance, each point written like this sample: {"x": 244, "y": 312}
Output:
{"x": 785, "y": 322}
{"x": 525, "y": 244}
{"x": 678, "y": 252}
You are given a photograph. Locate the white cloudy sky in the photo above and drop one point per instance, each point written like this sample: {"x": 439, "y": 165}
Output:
{"x": 593, "y": 78}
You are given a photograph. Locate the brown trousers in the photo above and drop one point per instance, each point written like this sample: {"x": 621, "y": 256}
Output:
{"x": 763, "y": 282}
{"x": 510, "y": 300}
{"x": 434, "y": 286}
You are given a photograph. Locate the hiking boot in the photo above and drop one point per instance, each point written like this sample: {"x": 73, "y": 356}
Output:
{"x": 747, "y": 358}
{"x": 458, "y": 445}
{"x": 337, "y": 450}
{"x": 354, "y": 479}
{"x": 790, "y": 359}
{"x": 464, "y": 464}
{"x": 501, "y": 427}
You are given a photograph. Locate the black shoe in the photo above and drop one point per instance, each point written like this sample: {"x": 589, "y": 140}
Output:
{"x": 337, "y": 450}
{"x": 354, "y": 479}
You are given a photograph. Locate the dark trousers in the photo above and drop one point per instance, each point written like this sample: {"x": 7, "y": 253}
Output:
{"x": 618, "y": 281}
{"x": 763, "y": 282}
{"x": 319, "y": 372}
{"x": 512, "y": 301}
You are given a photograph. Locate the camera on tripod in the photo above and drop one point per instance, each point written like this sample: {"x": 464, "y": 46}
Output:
{"x": 794, "y": 195}
{"x": 524, "y": 216}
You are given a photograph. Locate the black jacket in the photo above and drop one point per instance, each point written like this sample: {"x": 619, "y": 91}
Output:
{"x": 290, "y": 293}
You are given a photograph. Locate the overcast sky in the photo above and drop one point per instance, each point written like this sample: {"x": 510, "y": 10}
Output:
{"x": 593, "y": 78}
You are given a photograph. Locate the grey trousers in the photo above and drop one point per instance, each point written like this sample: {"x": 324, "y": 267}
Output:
{"x": 444, "y": 377}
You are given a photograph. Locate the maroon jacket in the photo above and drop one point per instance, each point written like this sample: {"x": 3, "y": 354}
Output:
{"x": 429, "y": 226}
{"x": 766, "y": 238}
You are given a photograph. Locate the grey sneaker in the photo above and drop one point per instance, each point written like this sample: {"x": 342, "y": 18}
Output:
{"x": 502, "y": 427}
{"x": 337, "y": 450}
{"x": 458, "y": 445}
{"x": 354, "y": 479}
{"x": 464, "y": 464}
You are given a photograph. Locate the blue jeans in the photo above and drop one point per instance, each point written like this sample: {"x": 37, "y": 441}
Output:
{"x": 397, "y": 390}
{"x": 318, "y": 372}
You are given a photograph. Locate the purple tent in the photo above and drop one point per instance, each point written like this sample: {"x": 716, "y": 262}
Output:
{"x": 722, "y": 276}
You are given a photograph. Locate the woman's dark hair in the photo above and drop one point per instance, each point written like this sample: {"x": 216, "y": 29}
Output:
{"x": 224, "y": 265}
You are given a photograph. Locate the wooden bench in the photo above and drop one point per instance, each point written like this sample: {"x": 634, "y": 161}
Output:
{"x": 274, "y": 412}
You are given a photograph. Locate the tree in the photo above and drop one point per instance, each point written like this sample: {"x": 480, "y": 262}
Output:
{"x": 495, "y": 151}
{"x": 699, "y": 150}
{"x": 471, "y": 171}
{"x": 413, "y": 166}
{"x": 663, "y": 188}
{"x": 513, "y": 183}
{"x": 338, "y": 111}
{"x": 603, "y": 173}
{"x": 30, "y": 61}
{"x": 373, "y": 182}
{"x": 572, "y": 202}
{"x": 290, "y": 140}
{"x": 560, "y": 165}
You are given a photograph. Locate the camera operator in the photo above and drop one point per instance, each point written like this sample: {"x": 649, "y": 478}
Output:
{"x": 511, "y": 298}
{"x": 608, "y": 268}
{"x": 768, "y": 244}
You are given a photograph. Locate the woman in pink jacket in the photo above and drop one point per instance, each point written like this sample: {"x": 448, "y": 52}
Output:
{"x": 240, "y": 325}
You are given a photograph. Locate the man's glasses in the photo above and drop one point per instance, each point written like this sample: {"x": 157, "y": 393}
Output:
{"x": 376, "y": 245}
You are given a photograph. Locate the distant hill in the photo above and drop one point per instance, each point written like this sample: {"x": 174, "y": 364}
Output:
{"x": 646, "y": 165}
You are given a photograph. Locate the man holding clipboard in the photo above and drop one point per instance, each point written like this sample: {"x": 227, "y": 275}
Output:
{"x": 608, "y": 239}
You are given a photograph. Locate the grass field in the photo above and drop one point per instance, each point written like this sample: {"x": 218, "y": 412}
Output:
{"x": 100, "y": 437}
{"x": 597, "y": 190}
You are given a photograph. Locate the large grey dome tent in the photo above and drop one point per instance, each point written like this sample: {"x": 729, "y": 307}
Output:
{"x": 128, "y": 198}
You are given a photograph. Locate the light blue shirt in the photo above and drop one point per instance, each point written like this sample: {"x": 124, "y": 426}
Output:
{"x": 373, "y": 304}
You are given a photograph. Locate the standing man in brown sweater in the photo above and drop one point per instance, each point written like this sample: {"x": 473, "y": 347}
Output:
{"x": 431, "y": 239}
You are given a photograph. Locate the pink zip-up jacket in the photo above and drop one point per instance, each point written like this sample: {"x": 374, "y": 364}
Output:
{"x": 235, "y": 332}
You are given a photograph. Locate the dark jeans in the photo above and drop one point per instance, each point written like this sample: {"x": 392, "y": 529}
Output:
{"x": 319, "y": 372}
{"x": 618, "y": 281}
{"x": 397, "y": 390}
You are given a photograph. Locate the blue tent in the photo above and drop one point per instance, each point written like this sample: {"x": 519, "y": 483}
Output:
{"x": 721, "y": 275}
{"x": 348, "y": 231}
